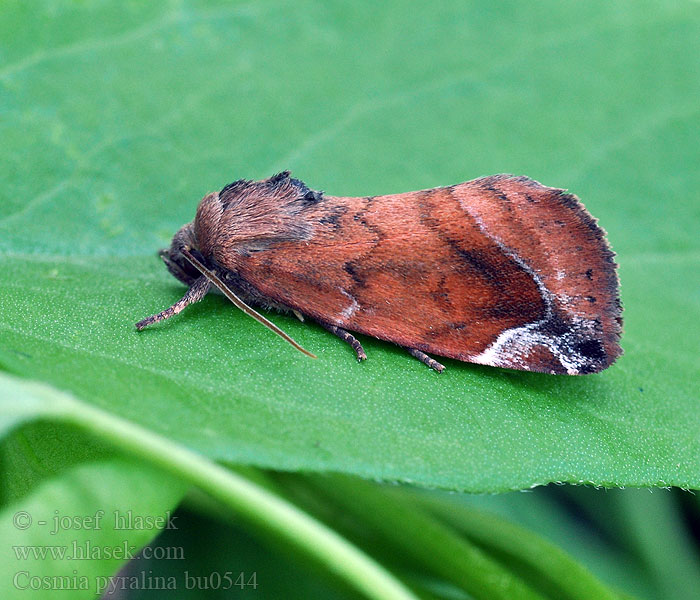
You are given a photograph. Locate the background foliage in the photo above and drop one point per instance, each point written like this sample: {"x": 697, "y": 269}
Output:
{"x": 115, "y": 118}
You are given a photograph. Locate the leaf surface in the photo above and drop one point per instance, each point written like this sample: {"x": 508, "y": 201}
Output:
{"x": 117, "y": 119}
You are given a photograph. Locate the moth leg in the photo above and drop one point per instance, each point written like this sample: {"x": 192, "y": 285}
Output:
{"x": 346, "y": 337}
{"x": 425, "y": 359}
{"x": 195, "y": 293}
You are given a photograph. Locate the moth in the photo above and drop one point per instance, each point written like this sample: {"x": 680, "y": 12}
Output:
{"x": 500, "y": 271}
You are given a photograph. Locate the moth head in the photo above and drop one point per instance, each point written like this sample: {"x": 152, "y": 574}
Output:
{"x": 185, "y": 261}
{"x": 175, "y": 260}
{"x": 251, "y": 216}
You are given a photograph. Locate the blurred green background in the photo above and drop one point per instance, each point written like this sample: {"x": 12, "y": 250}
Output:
{"x": 117, "y": 117}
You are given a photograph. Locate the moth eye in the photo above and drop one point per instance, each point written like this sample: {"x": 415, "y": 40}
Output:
{"x": 178, "y": 270}
{"x": 198, "y": 255}
{"x": 179, "y": 266}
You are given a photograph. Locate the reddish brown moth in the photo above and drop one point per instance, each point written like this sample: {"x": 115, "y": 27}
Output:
{"x": 500, "y": 271}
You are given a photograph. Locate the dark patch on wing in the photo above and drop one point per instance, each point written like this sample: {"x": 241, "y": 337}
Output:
{"x": 359, "y": 216}
{"x": 555, "y": 326}
{"x": 445, "y": 328}
{"x": 591, "y": 349}
{"x": 502, "y": 196}
{"x": 476, "y": 259}
{"x": 351, "y": 269}
{"x": 505, "y": 309}
{"x": 441, "y": 295}
{"x": 479, "y": 261}
{"x": 333, "y": 216}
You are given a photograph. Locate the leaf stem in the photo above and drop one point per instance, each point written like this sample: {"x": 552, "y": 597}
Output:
{"x": 544, "y": 560}
{"x": 255, "y": 503}
{"x": 403, "y": 524}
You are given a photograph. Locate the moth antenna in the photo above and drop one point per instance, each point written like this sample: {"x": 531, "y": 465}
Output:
{"x": 196, "y": 292}
{"x": 214, "y": 278}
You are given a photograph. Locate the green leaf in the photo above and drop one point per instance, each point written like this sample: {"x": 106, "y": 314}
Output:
{"x": 428, "y": 554}
{"x": 23, "y": 401}
{"x": 479, "y": 553}
{"x": 73, "y": 532}
{"x": 538, "y": 561}
{"x": 277, "y": 574}
{"x": 116, "y": 119}
{"x": 40, "y": 450}
{"x": 163, "y": 460}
